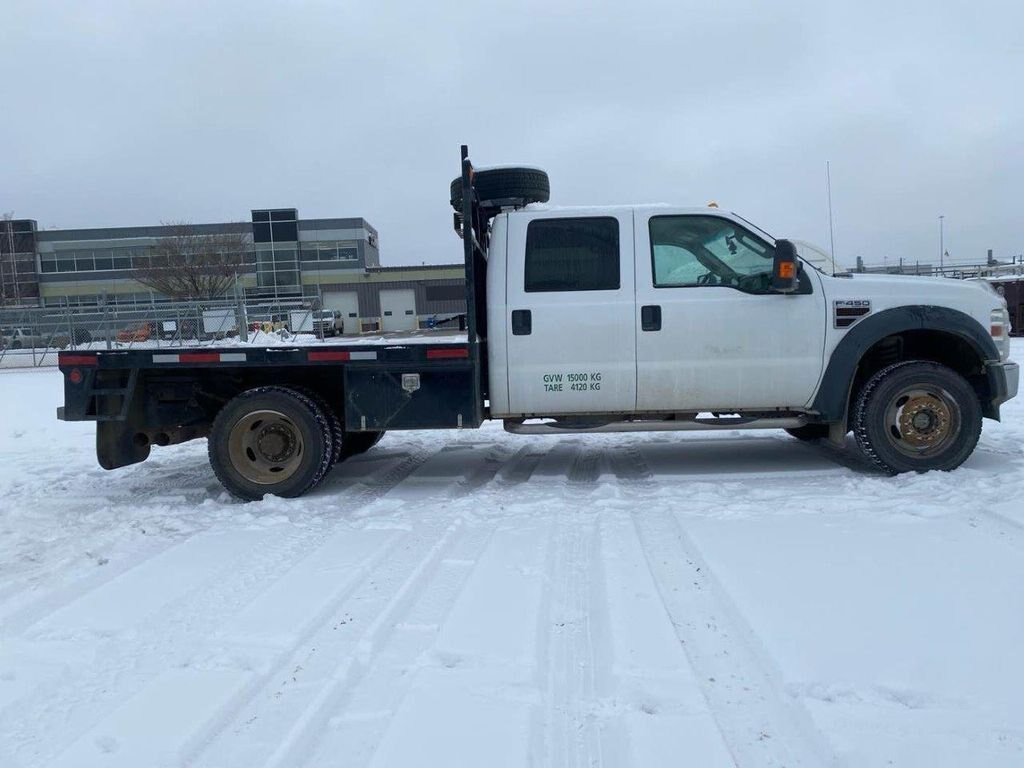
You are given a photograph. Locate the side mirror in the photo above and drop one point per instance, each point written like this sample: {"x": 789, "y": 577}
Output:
{"x": 785, "y": 272}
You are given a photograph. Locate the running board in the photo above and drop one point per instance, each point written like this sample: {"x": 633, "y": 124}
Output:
{"x": 692, "y": 425}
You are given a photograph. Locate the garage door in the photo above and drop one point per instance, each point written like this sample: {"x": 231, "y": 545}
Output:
{"x": 346, "y": 302}
{"x": 398, "y": 309}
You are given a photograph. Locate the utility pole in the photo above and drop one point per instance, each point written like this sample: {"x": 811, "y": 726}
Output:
{"x": 942, "y": 260}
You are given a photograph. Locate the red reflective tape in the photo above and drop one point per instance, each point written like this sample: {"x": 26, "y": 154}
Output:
{"x": 78, "y": 360}
{"x": 326, "y": 356}
{"x": 446, "y": 354}
{"x": 199, "y": 357}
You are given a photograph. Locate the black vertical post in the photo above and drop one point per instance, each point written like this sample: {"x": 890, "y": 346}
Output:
{"x": 469, "y": 243}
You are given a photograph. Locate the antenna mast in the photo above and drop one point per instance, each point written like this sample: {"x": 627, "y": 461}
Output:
{"x": 831, "y": 229}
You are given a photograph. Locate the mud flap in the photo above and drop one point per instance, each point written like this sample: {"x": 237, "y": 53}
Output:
{"x": 117, "y": 444}
{"x": 837, "y": 433}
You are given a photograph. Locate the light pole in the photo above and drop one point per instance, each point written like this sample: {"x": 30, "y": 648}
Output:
{"x": 941, "y": 249}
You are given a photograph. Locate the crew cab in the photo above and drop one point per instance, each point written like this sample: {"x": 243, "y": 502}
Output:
{"x": 595, "y": 319}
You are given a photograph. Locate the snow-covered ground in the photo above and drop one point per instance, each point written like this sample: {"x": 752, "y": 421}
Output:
{"x": 483, "y": 599}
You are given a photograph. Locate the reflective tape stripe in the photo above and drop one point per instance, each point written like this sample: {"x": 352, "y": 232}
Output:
{"x": 202, "y": 357}
{"x": 446, "y": 353}
{"x": 91, "y": 360}
{"x": 337, "y": 356}
{"x": 327, "y": 356}
{"x": 199, "y": 357}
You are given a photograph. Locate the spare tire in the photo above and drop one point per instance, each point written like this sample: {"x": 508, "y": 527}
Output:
{"x": 505, "y": 186}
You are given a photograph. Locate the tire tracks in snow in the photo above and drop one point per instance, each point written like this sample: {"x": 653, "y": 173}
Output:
{"x": 356, "y": 715}
{"x": 372, "y": 488}
{"x": 85, "y": 498}
{"x": 284, "y": 724}
{"x": 761, "y": 724}
{"x": 567, "y": 730}
{"x": 123, "y": 668}
{"x": 328, "y": 668}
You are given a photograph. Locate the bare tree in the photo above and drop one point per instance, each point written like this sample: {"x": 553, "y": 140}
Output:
{"x": 188, "y": 263}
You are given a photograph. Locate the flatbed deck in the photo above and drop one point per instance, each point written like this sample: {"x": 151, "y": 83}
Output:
{"x": 390, "y": 347}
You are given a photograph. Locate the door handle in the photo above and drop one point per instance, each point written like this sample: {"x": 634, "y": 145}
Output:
{"x": 650, "y": 317}
{"x": 522, "y": 322}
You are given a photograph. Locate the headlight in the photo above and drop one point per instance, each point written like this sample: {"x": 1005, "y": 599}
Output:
{"x": 1000, "y": 330}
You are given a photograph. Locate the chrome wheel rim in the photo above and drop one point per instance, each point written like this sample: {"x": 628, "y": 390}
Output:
{"x": 922, "y": 421}
{"x": 265, "y": 447}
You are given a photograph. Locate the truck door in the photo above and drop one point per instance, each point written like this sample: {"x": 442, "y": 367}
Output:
{"x": 571, "y": 339}
{"x": 711, "y": 334}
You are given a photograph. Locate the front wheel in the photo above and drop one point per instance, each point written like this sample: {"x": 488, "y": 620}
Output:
{"x": 270, "y": 440}
{"x": 917, "y": 416}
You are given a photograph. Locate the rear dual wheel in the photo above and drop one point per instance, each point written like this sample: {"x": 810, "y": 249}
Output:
{"x": 359, "y": 442}
{"x": 346, "y": 444}
{"x": 280, "y": 441}
{"x": 271, "y": 440}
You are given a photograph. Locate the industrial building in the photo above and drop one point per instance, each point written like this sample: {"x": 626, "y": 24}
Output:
{"x": 336, "y": 260}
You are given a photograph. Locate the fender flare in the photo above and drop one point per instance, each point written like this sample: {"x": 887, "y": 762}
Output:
{"x": 834, "y": 391}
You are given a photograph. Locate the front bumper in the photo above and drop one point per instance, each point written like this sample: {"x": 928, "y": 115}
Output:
{"x": 1003, "y": 379}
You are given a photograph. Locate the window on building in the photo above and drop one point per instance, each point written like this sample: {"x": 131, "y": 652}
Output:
{"x": 445, "y": 292}
{"x": 284, "y": 231}
{"x": 327, "y": 251}
{"x": 580, "y": 254}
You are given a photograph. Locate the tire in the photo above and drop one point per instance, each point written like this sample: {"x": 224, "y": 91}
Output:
{"x": 809, "y": 432}
{"x": 337, "y": 433}
{"x": 917, "y": 416}
{"x": 359, "y": 442}
{"x": 245, "y": 445}
{"x": 16, "y": 345}
{"x": 505, "y": 186}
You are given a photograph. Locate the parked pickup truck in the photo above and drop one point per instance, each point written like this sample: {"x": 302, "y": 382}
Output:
{"x": 328, "y": 322}
{"x": 598, "y": 319}
{"x": 22, "y": 338}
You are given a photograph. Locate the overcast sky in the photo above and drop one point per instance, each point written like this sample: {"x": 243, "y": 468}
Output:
{"x": 136, "y": 112}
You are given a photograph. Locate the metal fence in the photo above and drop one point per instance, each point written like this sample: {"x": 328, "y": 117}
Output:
{"x": 32, "y": 336}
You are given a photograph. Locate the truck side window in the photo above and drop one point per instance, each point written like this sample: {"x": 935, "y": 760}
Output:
{"x": 708, "y": 251}
{"x": 579, "y": 254}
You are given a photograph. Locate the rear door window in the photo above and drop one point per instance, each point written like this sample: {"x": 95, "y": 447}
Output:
{"x": 575, "y": 254}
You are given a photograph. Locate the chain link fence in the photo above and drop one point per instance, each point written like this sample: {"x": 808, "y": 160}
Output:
{"x": 32, "y": 336}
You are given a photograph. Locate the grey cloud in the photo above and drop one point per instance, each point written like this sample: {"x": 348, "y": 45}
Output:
{"x": 134, "y": 112}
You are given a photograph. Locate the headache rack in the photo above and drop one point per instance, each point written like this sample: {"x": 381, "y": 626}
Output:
{"x": 475, "y": 243}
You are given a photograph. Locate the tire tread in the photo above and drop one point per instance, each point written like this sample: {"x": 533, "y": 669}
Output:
{"x": 863, "y": 403}
{"x": 318, "y": 416}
